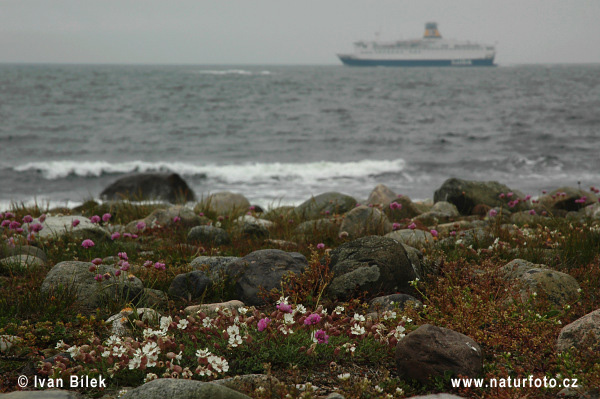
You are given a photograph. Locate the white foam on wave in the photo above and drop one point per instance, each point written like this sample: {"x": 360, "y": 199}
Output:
{"x": 243, "y": 173}
{"x": 242, "y": 72}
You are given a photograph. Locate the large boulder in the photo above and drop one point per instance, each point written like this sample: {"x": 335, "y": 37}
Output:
{"x": 466, "y": 194}
{"x": 264, "y": 268}
{"x": 150, "y": 186}
{"x": 182, "y": 389}
{"x": 573, "y": 335}
{"x": 567, "y": 199}
{"x": 224, "y": 204}
{"x": 208, "y": 270}
{"x": 431, "y": 351}
{"x": 363, "y": 221}
{"x": 324, "y": 205}
{"x": 57, "y": 226}
{"x": 76, "y": 277}
{"x": 378, "y": 265}
{"x": 168, "y": 217}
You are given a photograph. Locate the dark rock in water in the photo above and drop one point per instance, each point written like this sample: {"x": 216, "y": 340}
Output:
{"x": 264, "y": 268}
{"x": 324, "y": 205}
{"x": 182, "y": 389}
{"x": 209, "y": 235}
{"x": 466, "y": 194}
{"x": 430, "y": 352}
{"x": 150, "y": 186}
{"x": 363, "y": 221}
{"x": 374, "y": 264}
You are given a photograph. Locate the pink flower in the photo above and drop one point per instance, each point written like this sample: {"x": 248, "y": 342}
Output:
{"x": 314, "y": 318}
{"x": 510, "y": 194}
{"x": 502, "y": 195}
{"x": 118, "y": 273}
{"x": 97, "y": 261}
{"x": 114, "y": 236}
{"x": 134, "y": 236}
{"x": 14, "y": 225}
{"x": 527, "y": 197}
{"x": 434, "y": 232}
{"x": 125, "y": 266}
{"x": 453, "y": 233}
{"x": 395, "y": 205}
{"x": 320, "y": 245}
{"x": 106, "y": 217}
{"x": 19, "y": 230}
{"x": 123, "y": 255}
{"x": 42, "y": 218}
{"x": 252, "y": 208}
{"x": 263, "y": 323}
{"x": 27, "y": 219}
{"x": 30, "y": 237}
{"x": 9, "y": 215}
{"x": 321, "y": 337}
{"x": 36, "y": 227}
{"x": 93, "y": 268}
{"x": 159, "y": 266}
{"x": 395, "y": 226}
{"x": 76, "y": 222}
{"x": 148, "y": 263}
{"x": 544, "y": 191}
{"x": 532, "y": 211}
{"x": 327, "y": 212}
{"x": 5, "y": 223}
{"x": 493, "y": 213}
{"x": 284, "y": 307}
{"x": 412, "y": 226}
{"x": 98, "y": 277}
{"x": 141, "y": 226}
{"x": 201, "y": 214}
{"x": 95, "y": 219}
{"x": 127, "y": 235}
{"x": 87, "y": 243}
{"x": 176, "y": 219}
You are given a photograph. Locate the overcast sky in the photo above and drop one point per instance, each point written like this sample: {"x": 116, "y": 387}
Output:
{"x": 286, "y": 32}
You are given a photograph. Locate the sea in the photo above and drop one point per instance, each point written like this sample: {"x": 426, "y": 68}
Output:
{"x": 281, "y": 134}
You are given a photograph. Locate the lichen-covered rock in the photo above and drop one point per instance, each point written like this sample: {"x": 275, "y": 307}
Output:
{"x": 210, "y": 309}
{"x": 190, "y": 285}
{"x": 224, "y": 203}
{"x": 373, "y": 264}
{"x": 57, "y": 226}
{"x": 248, "y": 382}
{"x": 567, "y": 199}
{"x": 414, "y": 238}
{"x": 318, "y": 227}
{"x": 6, "y": 251}
{"x": 168, "y": 217}
{"x": 324, "y": 205}
{"x": 182, "y": 389}
{"x": 215, "y": 264}
{"x": 466, "y": 194}
{"x": 363, "y": 220}
{"x": 431, "y": 351}
{"x": 18, "y": 263}
{"x": 76, "y": 277}
{"x": 264, "y": 268}
{"x": 120, "y": 324}
{"x": 209, "y": 235}
{"x": 573, "y": 335}
{"x": 392, "y": 302}
{"x": 149, "y": 186}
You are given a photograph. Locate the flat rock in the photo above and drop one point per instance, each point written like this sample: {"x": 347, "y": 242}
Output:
{"x": 56, "y": 226}
{"x": 572, "y": 335}
{"x": 210, "y": 309}
{"x": 165, "y": 217}
{"x": 182, "y": 389}
{"x": 431, "y": 351}
{"x": 394, "y": 301}
{"x": 149, "y": 186}
{"x": 8, "y": 341}
{"x": 43, "y": 394}
{"x": 555, "y": 201}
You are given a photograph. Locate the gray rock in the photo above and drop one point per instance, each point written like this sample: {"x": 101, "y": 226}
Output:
{"x": 154, "y": 298}
{"x": 190, "y": 285}
{"x": 324, "y": 205}
{"x": 23, "y": 250}
{"x": 567, "y": 202}
{"x": 466, "y": 194}
{"x": 381, "y": 195}
{"x": 252, "y": 230}
{"x": 224, "y": 204}
{"x": 21, "y": 262}
{"x": 391, "y": 302}
{"x": 445, "y": 208}
{"x": 573, "y": 335}
{"x": 374, "y": 264}
{"x": 210, "y": 309}
{"x": 182, "y": 389}
{"x": 213, "y": 263}
{"x": 363, "y": 220}
{"x": 120, "y": 323}
{"x": 254, "y": 220}
{"x": 248, "y": 382}
{"x": 165, "y": 217}
{"x": 149, "y": 186}
{"x": 209, "y": 235}
{"x": 264, "y": 268}
{"x": 56, "y": 226}
{"x": 318, "y": 227}
{"x": 75, "y": 277}
{"x": 432, "y": 351}
{"x": 416, "y": 260}
{"x": 437, "y": 396}
{"x": 43, "y": 394}
{"x": 8, "y": 341}
{"x": 414, "y": 238}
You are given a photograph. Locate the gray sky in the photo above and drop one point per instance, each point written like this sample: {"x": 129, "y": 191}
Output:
{"x": 286, "y": 32}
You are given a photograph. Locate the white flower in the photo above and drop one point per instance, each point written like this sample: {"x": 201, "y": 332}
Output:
{"x": 187, "y": 373}
{"x": 406, "y": 319}
{"x": 119, "y": 351}
{"x": 60, "y": 344}
{"x": 218, "y": 364}
{"x": 112, "y": 340}
{"x": 283, "y": 300}
{"x": 378, "y": 388}
{"x": 242, "y": 310}
{"x": 398, "y": 332}
{"x": 399, "y": 391}
{"x": 165, "y": 322}
{"x": 136, "y": 360}
{"x": 178, "y": 357}
{"x": 357, "y": 330}
{"x": 344, "y": 376}
{"x": 338, "y": 310}
{"x": 288, "y": 318}
{"x": 388, "y": 314}
{"x": 151, "y": 351}
{"x": 207, "y": 322}
{"x": 202, "y": 353}
{"x": 73, "y": 351}
{"x": 201, "y": 370}
{"x": 150, "y": 377}
{"x": 183, "y": 323}
{"x": 359, "y": 317}
{"x": 300, "y": 309}
{"x": 235, "y": 340}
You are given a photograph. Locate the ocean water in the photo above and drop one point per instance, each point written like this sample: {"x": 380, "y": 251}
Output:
{"x": 279, "y": 134}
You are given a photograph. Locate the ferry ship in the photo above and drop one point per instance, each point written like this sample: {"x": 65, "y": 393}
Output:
{"x": 431, "y": 50}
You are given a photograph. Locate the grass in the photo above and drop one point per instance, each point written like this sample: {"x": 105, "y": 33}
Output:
{"x": 468, "y": 294}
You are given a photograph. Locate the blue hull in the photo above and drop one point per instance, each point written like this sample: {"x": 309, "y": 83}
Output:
{"x": 350, "y": 61}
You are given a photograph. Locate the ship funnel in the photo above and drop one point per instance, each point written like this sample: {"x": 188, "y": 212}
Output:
{"x": 431, "y": 31}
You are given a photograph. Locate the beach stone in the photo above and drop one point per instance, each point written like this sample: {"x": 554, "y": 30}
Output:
{"x": 149, "y": 186}
{"x": 57, "y": 226}
{"x": 414, "y": 238}
{"x": 215, "y": 264}
{"x": 251, "y": 230}
{"x": 416, "y": 260}
{"x": 264, "y": 268}
{"x": 281, "y": 243}
{"x": 254, "y": 220}
{"x": 248, "y": 382}
{"x": 120, "y": 324}
{"x": 466, "y": 194}
{"x": 572, "y": 335}
{"x": 374, "y": 264}
{"x": 475, "y": 236}
{"x": 154, "y": 298}
{"x": 441, "y": 212}
{"x": 190, "y": 285}
{"x": 75, "y": 276}
{"x": 163, "y": 217}
{"x": 210, "y": 309}
{"x": 363, "y": 220}
{"x": 6, "y": 251}
{"x": 408, "y": 210}
{"x": 21, "y": 262}
{"x": 279, "y": 213}
{"x": 392, "y": 302}
{"x": 43, "y": 394}
{"x": 381, "y": 195}
{"x": 8, "y": 341}
{"x": 182, "y": 389}
{"x": 592, "y": 211}
{"x": 524, "y": 217}
{"x": 318, "y": 228}
{"x": 209, "y": 235}
{"x": 560, "y": 288}
{"x": 324, "y": 205}
{"x": 224, "y": 203}
{"x": 446, "y": 228}
{"x": 432, "y": 351}
{"x": 335, "y": 395}
{"x": 567, "y": 202}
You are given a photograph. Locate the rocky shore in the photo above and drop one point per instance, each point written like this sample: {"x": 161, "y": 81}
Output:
{"x": 336, "y": 297}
